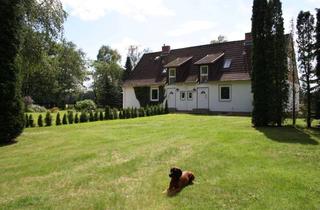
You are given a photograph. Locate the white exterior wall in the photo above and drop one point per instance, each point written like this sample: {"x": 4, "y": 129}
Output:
{"x": 241, "y": 97}
{"x": 129, "y": 98}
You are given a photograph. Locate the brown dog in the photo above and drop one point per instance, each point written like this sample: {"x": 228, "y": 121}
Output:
{"x": 179, "y": 180}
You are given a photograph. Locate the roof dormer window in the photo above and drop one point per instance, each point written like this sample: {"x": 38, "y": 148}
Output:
{"x": 172, "y": 76}
{"x": 204, "y": 72}
{"x": 227, "y": 63}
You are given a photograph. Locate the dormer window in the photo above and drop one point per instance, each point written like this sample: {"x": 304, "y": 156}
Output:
{"x": 227, "y": 63}
{"x": 172, "y": 76}
{"x": 204, "y": 72}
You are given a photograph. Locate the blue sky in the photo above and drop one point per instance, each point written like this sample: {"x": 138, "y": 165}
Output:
{"x": 152, "y": 23}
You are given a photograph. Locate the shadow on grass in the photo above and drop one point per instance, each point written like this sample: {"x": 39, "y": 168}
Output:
{"x": 8, "y": 143}
{"x": 289, "y": 135}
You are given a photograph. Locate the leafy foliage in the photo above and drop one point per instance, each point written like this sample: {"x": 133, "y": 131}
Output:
{"x": 83, "y": 117}
{"x": 85, "y": 105}
{"x": 11, "y": 105}
{"x": 64, "y": 119}
{"x": 48, "y": 119}
{"x": 70, "y": 117}
{"x": 31, "y": 121}
{"x": 40, "y": 121}
{"x": 76, "y": 119}
{"x": 58, "y": 119}
{"x": 305, "y": 41}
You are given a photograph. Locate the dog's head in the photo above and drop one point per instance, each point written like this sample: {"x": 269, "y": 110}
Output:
{"x": 175, "y": 173}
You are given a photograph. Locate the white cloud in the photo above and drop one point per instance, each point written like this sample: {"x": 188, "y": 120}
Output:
{"x": 138, "y": 9}
{"x": 191, "y": 27}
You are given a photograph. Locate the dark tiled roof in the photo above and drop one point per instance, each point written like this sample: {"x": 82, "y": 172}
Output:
{"x": 209, "y": 58}
{"x": 177, "y": 62}
{"x": 150, "y": 69}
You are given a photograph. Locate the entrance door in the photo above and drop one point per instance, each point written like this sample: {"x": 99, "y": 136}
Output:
{"x": 203, "y": 98}
{"x": 171, "y": 98}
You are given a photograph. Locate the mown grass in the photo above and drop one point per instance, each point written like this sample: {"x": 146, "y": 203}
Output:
{"x": 124, "y": 164}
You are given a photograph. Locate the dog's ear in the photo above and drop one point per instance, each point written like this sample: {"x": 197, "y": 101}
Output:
{"x": 175, "y": 173}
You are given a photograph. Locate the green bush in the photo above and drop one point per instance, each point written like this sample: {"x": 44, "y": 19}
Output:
{"x": 35, "y": 108}
{"x": 48, "y": 119}
{"x": 31, "y": 121}
{"x": 96, "y": 116}
{"x": 107, "y": 113}
{"x": 58, "y": 119}
{"x": 40, "y": 121}
{"x": 115, "y": 114}
{"x": 83, "y": 117}
{"x": 70, "y": 117}
{"x": 121, "y": 114}
{"x": 101, "y": 115}
{"x": 54, "y": 110}
{"x": 91, "y": 117}
{"x": 64, "y": 120}
{"x": 142, "y": 112}
{"x": 76, "y": 119}
{"x": 166, "y": 108}
{"x": 85, "y": 105}
{"x": 26, "y": 121}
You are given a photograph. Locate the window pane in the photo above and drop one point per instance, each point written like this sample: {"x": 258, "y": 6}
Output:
{"x": 190, "y": 96}
{"x": 172, "y": 72}
{"x": 225, "y": 93}
{"x": 227, "y": 63}
{"x": 182, "y": 96}
{"x": 204, "y": 70}
{"x": 172, "y": 81}
{"x": 154, "y": 94}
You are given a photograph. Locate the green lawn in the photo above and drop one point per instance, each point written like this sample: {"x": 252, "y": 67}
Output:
{"x": 124, "y": 164}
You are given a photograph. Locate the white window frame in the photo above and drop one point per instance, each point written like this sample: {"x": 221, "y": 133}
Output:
{"x": 172, "y": 76}
{"x": 188, "y": 98}
{"x": 202, "y": 74}
{"x": 227, "y": 61}
{"x": 183, "y": 99}
{"x": 230, "y": 93}
{"x": 151, "y": 89}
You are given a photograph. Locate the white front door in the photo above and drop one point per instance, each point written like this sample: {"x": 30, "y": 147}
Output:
{"x": 203, "y": 98}
{"x": 171, "y": 98}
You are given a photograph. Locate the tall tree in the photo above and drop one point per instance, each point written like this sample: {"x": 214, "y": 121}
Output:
{"x": 260, "y": 72}
{"x": 107, "y": 77}
{"x": 277, "y": 64}
{"x": 128, "y": 69}
{"x": 11, "y": 112}
{"x": 305, "y": 41}
{"x": 317, "y": 54}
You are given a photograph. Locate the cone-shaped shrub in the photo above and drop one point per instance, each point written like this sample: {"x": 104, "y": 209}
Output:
{"x": 101, "y": 115}
{"x": 115, "y": 114}
{"x": 40, "y": 121}
{"x": 166, "y": 108}
{"x": 76, "y": 118}
{"x": 107, "y": 113}
{"x": 64, "y": 119}
{"x": 96, "y": 116}
{"x": 70, "y": 117}
{"x": 83, "y": 117}
{"x": 91, "y": 117}
{"x": 31, "y": 121}
{"x": 26, "y": 121}
{"x": 121, "y": 114}
{"x": 48, "y": 119}
{"x": 58, "y": 119}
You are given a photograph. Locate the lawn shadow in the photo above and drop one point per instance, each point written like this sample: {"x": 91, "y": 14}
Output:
{"x": 288, "y": 134}
{"x": 8, "y": 143}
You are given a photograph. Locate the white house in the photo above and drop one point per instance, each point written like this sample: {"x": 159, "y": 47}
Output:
{"x": 211, "y": 78}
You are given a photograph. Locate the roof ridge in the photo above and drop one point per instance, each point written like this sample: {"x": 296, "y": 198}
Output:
{"x": 204, "y": 45}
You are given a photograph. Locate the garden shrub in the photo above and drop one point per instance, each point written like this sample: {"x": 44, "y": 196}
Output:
{"x": 64, "y": 119}
{"x": 107, "y": 113}
{"x": 115, "y": 114}
{"x": 166, "y": 108}
{"x": 26, "y": 121}
{"x": 83, "y": 117}
{"x": 54, "y": 110}
{"x": 141, "y": 112}
{"x": 96, "y": 116}
{"x": 48, "y": 119}
{"x": 35, "y": 108}
{"x": 76, "y": 119}
{"x": 85, "y": 105}
{"x": 91, "y": 117}
{"x": 31, "y": 121}
{"x": 121, "y": 114}
{"x": 101, "y": 115}
{"x": 58, "y": 119}
{"x": 70, "y": 117}
{"x": 40, "y": 121}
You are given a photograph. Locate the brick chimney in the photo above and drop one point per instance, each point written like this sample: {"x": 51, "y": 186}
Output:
{"x": 165, "y": 49}
{"x": 248, "y": 38}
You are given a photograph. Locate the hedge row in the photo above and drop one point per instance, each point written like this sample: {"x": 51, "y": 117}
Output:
{"x": 91, "y": 116}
